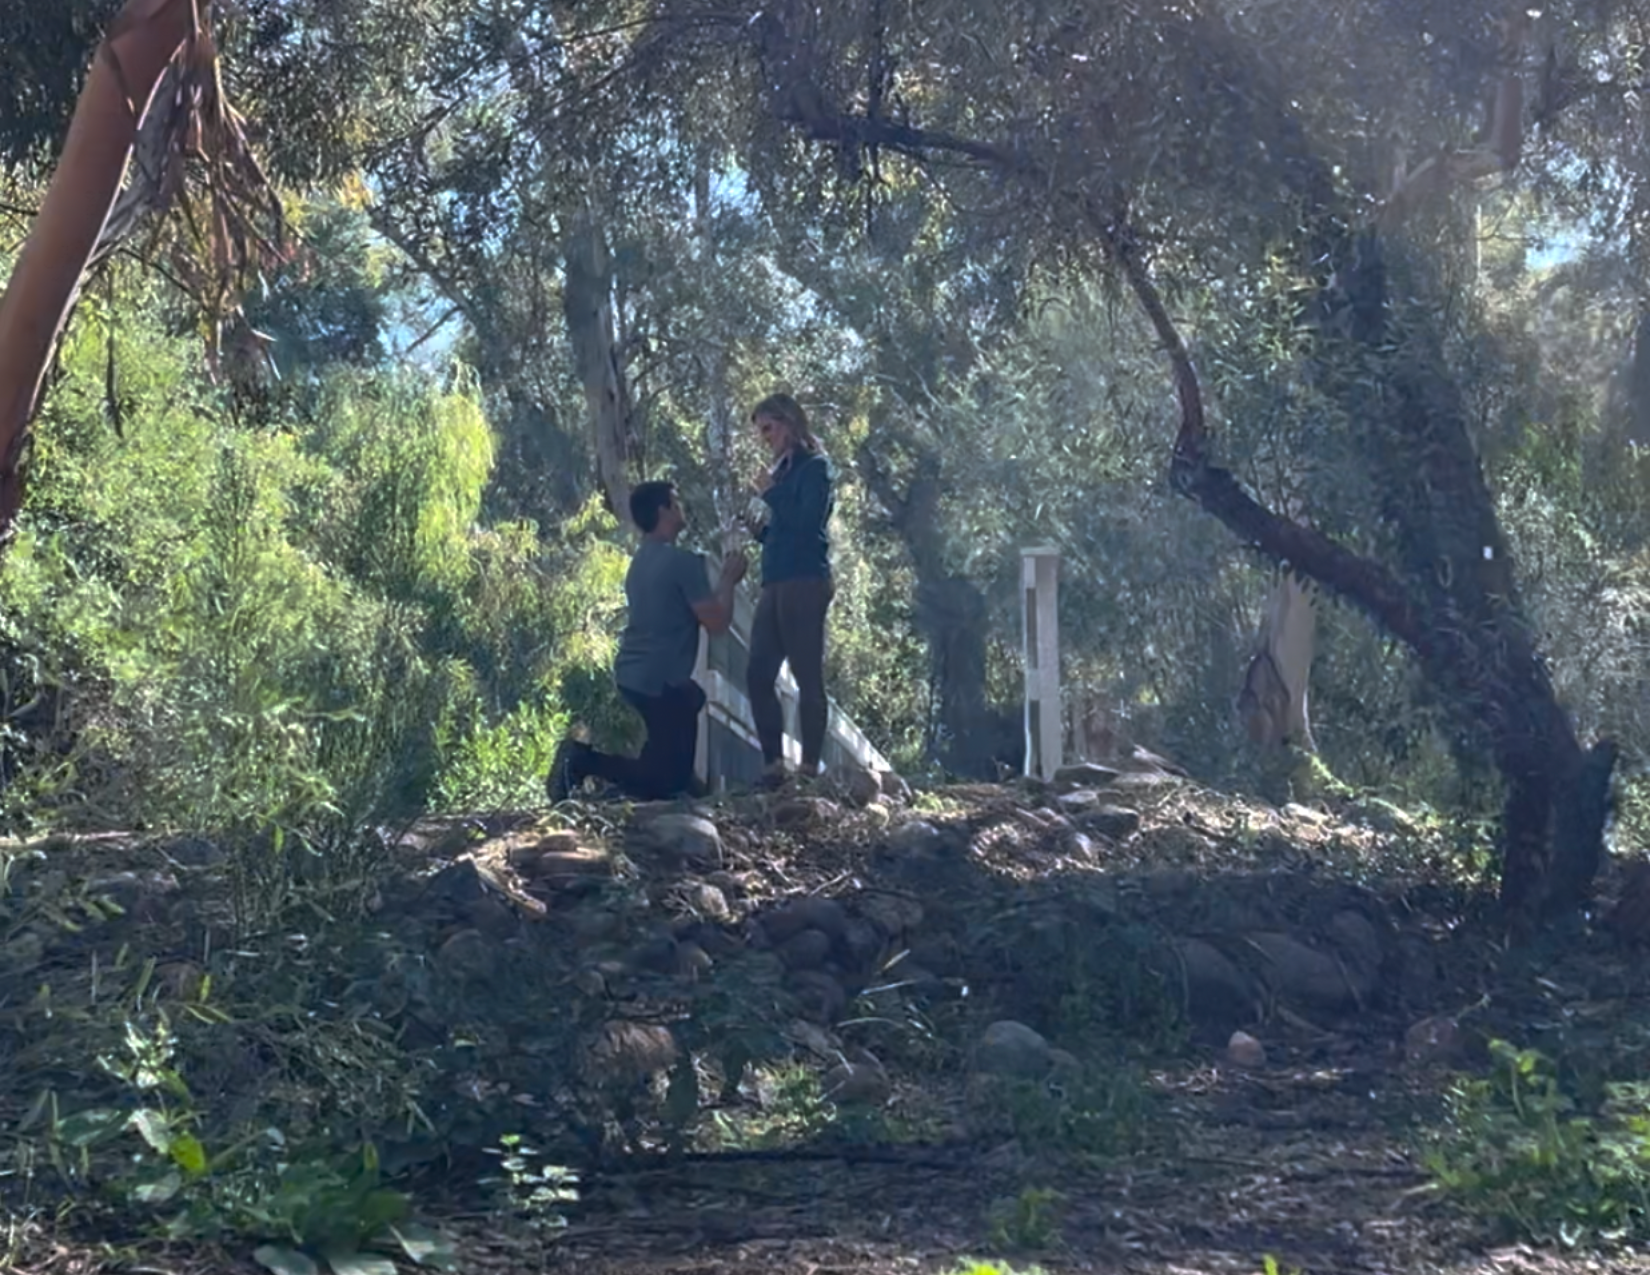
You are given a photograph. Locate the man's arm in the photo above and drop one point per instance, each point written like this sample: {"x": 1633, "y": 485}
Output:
{"x": 716, "y": 611}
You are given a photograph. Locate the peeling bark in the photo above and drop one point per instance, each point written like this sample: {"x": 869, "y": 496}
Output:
{"x": 143, "y": 39}
{"x": 588, "y": 307}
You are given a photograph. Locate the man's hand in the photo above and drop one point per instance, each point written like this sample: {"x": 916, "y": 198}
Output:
{"x": 735, "y": 565}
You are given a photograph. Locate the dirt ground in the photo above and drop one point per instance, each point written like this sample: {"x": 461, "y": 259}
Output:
{"x": 1020, "y": 903}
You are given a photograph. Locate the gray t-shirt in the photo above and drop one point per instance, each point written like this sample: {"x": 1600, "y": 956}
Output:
{"x": 660, "y": 643}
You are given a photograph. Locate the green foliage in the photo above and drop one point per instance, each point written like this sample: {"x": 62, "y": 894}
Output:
{"x": 1517, "y": 1152}
{"x": 1089, "y": 1111}
{"x": 297, "y": 1200}
{"x": 531, "y": 1187}
{"x": 281, "y": 637}
{"x": 1029, "y": 1220}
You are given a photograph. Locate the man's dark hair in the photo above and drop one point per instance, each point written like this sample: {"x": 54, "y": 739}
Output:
{"x": 647, "y": 500}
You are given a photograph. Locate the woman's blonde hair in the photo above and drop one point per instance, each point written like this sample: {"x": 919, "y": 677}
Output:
{"x": 782, "y": 407}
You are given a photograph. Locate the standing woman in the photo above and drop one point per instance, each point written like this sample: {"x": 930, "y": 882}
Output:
{"x": 792, "y": 519}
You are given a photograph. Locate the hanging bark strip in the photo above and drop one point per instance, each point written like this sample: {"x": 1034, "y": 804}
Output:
{"x": 142, "y": 41}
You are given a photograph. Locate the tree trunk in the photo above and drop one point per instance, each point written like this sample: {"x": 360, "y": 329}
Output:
{"x": 952, "y": 617}
{"x": 720, "y": 415}
{"x": 1478, "y": 645}
{"x": 587, "y": 303}
{"x": 133, "y": 57}
{"x": 1276, "y": 684}
{"x": 1461, "y": 614}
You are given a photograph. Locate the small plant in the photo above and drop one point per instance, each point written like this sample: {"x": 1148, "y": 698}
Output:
{"x": 532, "y": 1188}
{"x": 304, "y": 1205}
{"x": 971, "y": 1267}
{"x": 1517, "y": 1153}
{"x": 1091, "y": 1113}
{"x": 793, "y": 1109}
{"x": 1029, "y": 1220}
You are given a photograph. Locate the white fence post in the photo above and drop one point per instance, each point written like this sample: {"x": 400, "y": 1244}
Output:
{"x": 1040, "y": 620}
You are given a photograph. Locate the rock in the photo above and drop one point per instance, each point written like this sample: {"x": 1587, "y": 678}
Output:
{"x": 822, "y": 999}
{"x": 193, "y": 852}
{"x": 560, "y": 867}
{"x": 692, "y": 961}
{"x": 717, "y": 941}
{"x": 908, "y": 976}
{"x": 939, "y": 954}
{"x": 492, "y": 916}
{"x": 1115, "y": 823}
{"x": 1420, "y": 973}
{"x": 894, "y": 914}
{"x": 893, "y": 787}
{"x": 807, "y": 913}
{"x": 915, "y": 837}
{"x": 1012, "y": 1049}
{"x": 594, "y": 925}
{"x": 458, "y": 884}
{"x": 813, "y": 1037}
{"x": 1065, "y": 1062}
{"x": 805, "y": 812}
{"x": 469, "y": 956}
{"x": 1150, "y": 762}
{"x": 1078, "y": 800}
{"x": 1219, "y": 995}
{"x": 1435, "y": 1042}
{"x": 730, "y": 884}
{"x": 140, "y": 895}
{"x": 708, "y": 901}
{"x": 681, "y": 837}
{"x": 859, "y": 1084}
{"x": 1077, "y": 845}
{"x": 805, "y": 951}
{"x": 1304, "y": 814}
{"x": 622, "y": 1053}
{"x": 559, "y": 841}
{"x": 1054, "y": 819}
{"x": 1382, "y": 816}
{"x": 1243, "y": 1050}
{"x": 181, "y": 980}
{"x": 1084, "y": 774}
{"x": 862, "y": 944}
{"x": 1359, "y": 944}
{"x": 658, "y": 955}
{"x": 589, "y": 982}
{"x": 858, "y": 786}
{"x": 1145, "y": 782}
{"x": 1303, "y": 976}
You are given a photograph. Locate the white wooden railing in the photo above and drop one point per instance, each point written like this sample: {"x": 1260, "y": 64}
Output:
{"x": 728, "y": 748}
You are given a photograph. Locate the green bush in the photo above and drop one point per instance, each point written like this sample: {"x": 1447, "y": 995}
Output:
{"x": 1517, "y": 1152}
{"x": 283, "y": 635}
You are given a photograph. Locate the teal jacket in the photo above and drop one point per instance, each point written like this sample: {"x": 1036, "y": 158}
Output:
{"x": 796, "y": 543}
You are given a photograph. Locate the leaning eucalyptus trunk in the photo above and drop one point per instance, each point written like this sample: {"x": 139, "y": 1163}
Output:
{"x": 69, "y": 231}
{"x": 587, "y": 303}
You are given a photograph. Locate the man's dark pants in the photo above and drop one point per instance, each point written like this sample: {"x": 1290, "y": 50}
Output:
{"x": 664, "y": 768}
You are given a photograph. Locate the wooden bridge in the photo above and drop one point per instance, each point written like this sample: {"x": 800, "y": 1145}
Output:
{"x": 728, "y": 749}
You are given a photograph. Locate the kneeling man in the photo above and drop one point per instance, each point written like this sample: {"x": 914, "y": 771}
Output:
{"x": 670, "y": 597}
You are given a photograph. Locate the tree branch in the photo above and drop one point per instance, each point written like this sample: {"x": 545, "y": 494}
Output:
{"x": 1359, "y": 580}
